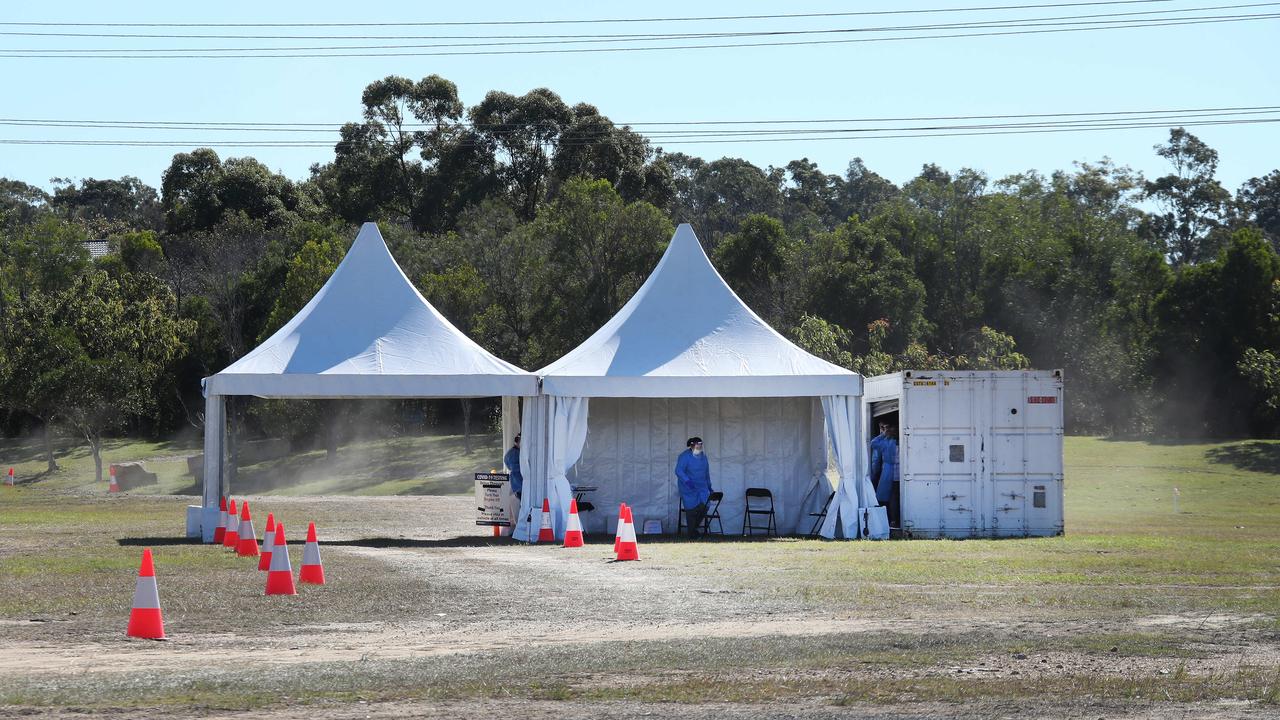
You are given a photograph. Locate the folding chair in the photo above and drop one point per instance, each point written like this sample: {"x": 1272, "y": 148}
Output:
{"x": 759, "y": 508}
{"x": 820, "y": 516}
{"x": 713, "y": 513}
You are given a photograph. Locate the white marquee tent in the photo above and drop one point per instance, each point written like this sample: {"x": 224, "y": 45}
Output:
{"x": 367, "y": 333}
{"x": 686, "y": 357}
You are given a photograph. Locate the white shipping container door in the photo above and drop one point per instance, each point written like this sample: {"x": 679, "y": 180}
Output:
{"x": 939, "y": 452}
{"x": 1023, "y": 465}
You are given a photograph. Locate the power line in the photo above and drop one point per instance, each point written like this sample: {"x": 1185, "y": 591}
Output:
{"x": 291, "y": 53}
{"x": 499, "y": 130}
{"x": 864, "y": 13}
{"x": 1061, "y": 24}
{"x": 599, "y": 37}
{"x": 334, "y": 126}
{"x": 833, "y": 134}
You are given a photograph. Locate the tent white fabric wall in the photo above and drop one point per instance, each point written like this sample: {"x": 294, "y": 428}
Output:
{"x": 559, "y": 429}
{"x": 750, "y": 442}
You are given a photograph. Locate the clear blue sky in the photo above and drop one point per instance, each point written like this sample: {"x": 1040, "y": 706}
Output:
{"x": 1196, "y": 66}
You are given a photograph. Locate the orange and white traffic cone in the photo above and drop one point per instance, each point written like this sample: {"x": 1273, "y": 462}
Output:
{"x": 627, "y": 549}
{"x": 312, "y": 570}
{"x": 573, "y": 533}
{"x": 617, "y": 533}
{"x": 247, "y": 542}
{"x": 145, "y": 620}
{"x": 220, "y": 532}
{"x": 280, "y": 577}
{"x": 546, "y": 534}
{"x": 113, "y": 486}
{"x": 8, "y": 479}
{"x": 232, "y": 536}
{"x": 268, "y": 542}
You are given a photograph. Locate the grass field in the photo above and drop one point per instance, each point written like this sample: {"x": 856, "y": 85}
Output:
{"x": 1137, "y": 612}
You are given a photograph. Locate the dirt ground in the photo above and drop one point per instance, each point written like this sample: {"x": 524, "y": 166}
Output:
{"x": 575, "y": 635}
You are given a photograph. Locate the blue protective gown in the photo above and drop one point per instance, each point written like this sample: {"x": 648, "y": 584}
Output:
{"x": 873, "y": 469}
{"x": 512, "y": 461}
{"x": 693, "y": 476}
{"x": 884, "y": 467}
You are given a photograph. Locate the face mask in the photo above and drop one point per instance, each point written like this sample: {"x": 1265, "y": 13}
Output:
{"x": 697, "y": 451}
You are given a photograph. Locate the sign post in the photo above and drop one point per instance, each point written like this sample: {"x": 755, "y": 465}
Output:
{"x": 495, "y": 503}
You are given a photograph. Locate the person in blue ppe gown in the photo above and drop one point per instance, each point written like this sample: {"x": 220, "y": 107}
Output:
{"x": 874, "y": 470}
{"x": 693, "y": 478}
{"x": 884, "y": 470}
{"x": 512, "y": 461}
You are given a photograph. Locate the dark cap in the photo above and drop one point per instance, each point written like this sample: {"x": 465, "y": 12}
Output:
{"x": 693, "y": 441}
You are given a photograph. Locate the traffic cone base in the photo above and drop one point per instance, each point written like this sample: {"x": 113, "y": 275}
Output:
{"x": 280, "y": 577}
{"x": 546, "y": 534}
{"x": 145, "y": 619}
{"x": 312, "y": 570}
{"x": 146, "y": 623}
{"x": 573, "y": 532}
{"x": 281, "y": 583}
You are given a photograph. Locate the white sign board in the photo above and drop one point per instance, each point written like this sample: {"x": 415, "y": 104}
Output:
{"x": 495, "y": 504}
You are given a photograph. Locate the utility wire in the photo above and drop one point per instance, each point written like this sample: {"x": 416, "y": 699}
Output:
{"x": 836, "y": 134}
{"x": 334, "y": 126}
{"x": 623, "y": 36}
{"x": 864, "y": 13}
{"x": 501, "y": 129}
{"x": 1063, "y": 23}
{"x": 291, "y": 53}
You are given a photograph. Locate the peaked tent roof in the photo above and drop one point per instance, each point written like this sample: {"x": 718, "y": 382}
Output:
{"x": 686, "y": 334}
{"x": 370, "y": 333}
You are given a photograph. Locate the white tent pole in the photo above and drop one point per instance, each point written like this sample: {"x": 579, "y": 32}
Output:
{"x": 215, "y": 430}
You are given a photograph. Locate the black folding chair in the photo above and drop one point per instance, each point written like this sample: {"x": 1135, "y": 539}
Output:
{"x": 713, "y": 513}
{"x": 820, "y": 516}
{"x": 761, "y": 495}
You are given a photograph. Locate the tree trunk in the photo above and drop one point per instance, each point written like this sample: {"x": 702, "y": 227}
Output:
{"x": 466, "y": 426}
{"x": 48, "y": 448}
{"x": 95, "y": 446}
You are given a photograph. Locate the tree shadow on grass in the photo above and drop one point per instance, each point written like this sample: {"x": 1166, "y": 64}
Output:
{"x": 1255, "y": 455}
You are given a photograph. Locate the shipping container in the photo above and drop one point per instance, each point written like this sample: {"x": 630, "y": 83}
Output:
{"x": 980, "y": 452}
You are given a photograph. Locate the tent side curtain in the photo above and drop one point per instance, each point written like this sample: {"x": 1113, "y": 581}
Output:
{"x": 559, "y": 424}
{"x": 339, "y": 386}
{"x": 533, "y": 442}
{"x": 844, "y": 429}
